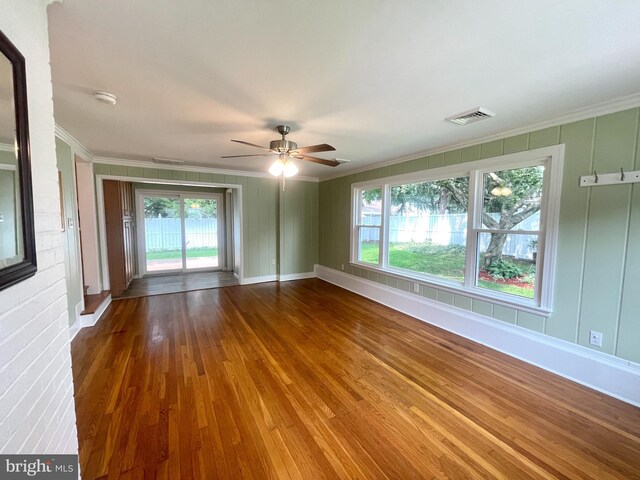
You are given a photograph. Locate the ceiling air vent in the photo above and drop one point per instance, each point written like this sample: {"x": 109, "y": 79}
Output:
{"x": 471, "y": 116}
{"x": 167, "y": 161}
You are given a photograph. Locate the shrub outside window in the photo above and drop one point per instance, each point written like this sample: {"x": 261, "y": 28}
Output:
{"x": 487, "y": 228}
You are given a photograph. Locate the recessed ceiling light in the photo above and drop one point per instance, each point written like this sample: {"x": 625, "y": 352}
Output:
{"x": 105, "y": 97}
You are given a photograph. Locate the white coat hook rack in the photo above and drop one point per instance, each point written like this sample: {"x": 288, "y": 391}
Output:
{"x": 617, "y": 178}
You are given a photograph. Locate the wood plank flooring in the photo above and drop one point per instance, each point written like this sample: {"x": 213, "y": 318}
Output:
{"x": 306, "y": 380}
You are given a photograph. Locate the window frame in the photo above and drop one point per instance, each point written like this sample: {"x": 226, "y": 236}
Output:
{"x": 551, "y": 157}
{"x": 357, "y": 226}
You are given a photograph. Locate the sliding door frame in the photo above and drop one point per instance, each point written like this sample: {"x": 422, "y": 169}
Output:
{"x": 181, "y": 195}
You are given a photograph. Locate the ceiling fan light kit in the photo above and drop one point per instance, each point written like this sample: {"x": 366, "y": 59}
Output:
{"x": 283, "y": 166}
{"x": 286, "y": 151}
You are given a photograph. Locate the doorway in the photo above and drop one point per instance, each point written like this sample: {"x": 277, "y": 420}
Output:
{"x": 180, "y": 232}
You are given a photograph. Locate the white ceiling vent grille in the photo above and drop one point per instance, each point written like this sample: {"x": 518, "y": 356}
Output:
{"x": 167, "y": 161}
{"x": 471, "y": 116}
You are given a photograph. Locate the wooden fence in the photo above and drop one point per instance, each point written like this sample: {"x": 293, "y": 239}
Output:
{"x": 448, "y": 229}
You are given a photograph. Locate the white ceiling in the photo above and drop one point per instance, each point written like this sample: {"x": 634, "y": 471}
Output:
{"x": 374, "y": 78}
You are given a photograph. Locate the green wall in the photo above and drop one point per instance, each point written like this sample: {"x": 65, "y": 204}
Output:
{"x": 9, "y": 197}
{"x": 298, "y": 227}
{"x": 597, "y": 284}
{"x": 71, "y": 236}
{"x": 6, "y": 157}
{"x": 261, "y": 216}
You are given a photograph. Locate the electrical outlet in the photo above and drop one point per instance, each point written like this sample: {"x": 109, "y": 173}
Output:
{"x": 273, "y": 261}
{"x": 342, "y": 267}
{"x": 595, "y": 338}
{"x": 416, "y": 288}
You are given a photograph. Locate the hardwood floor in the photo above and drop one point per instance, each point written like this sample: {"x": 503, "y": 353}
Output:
{"x": 306, "y": 380}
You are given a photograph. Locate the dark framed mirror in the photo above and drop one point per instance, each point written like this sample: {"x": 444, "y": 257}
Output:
{"x": 17, "y": 233}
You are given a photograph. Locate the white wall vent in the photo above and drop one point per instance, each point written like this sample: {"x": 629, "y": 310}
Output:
{"x": 471, "y": 116}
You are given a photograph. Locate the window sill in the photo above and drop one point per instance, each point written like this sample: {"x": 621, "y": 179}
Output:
{"x": 476, "y": 293}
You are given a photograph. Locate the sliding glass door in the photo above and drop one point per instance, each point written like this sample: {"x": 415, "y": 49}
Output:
{"x": 201, "y": 232}
{"x": 180, "y": 232}
{"x": 162, "y": 233}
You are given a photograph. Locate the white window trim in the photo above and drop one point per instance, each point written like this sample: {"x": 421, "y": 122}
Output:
{"x": 551, "y": 157}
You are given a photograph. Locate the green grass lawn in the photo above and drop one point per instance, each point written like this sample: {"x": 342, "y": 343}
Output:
{"x": 191, "y": 253}
{"x": 437, "y": 260}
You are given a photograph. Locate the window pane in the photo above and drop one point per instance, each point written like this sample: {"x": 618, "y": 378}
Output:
{"x": 163, "y": 233}
{"x": 369, "y": 245}
{"x": 507, "y": 263}
{"x": 512, "y": 199}
{"x": 370, "y": 206}
{"x": 201, "y": 232}
{"x": 427, "y": 227}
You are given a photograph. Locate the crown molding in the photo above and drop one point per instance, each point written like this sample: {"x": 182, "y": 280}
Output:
{"x": 597, "y": 110}
{"x": 192, "y": 168}
{"x": 77, "y": 148}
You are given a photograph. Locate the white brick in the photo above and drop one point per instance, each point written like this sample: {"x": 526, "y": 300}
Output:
{"x": 18, "y": 296}
{"x": 26, "y": 390}
{"x": 65, "y": 442}
{"x": 32, "y": 314}
{"x": 41, "y": 407}
{"x": 32, "y": 351}
{"x": 36, "y": 389}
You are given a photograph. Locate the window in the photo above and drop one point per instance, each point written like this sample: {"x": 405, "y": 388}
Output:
{"x": 368, "y": 225}
{"x": 487, "y": 228}
{"x": 510, "y": 229}
{"x": 427, "y": 227}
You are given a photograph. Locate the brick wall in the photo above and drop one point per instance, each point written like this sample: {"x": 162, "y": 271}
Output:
{"x": 36, "y": 392}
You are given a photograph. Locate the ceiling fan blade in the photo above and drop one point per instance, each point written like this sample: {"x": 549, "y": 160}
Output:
{"x": 251, "y": 144}
{"x": 322, "y": 161}
{"x": 323, "y": 147}
{"x": 256, "y": 155}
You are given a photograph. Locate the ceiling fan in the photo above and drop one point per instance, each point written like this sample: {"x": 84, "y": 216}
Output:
{"x": 286, "y": 151}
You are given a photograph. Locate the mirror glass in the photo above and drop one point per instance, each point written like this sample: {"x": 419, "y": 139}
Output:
{"x": 11, "y": 235}
{"x": 17, "y": 229}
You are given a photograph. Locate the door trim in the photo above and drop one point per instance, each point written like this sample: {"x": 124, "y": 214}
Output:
{"x": 102, "y": 225}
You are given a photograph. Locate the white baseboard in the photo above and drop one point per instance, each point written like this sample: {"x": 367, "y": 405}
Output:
{"x": 277, "y": 278}
{"x": 78, "y": 309}
{"x": 264, "y": 278}
{"x": 91, "y": 319}
{"x": 74, "y": 329}
{"x": 608, "y": 374}
{"x": 296, "y": 276}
